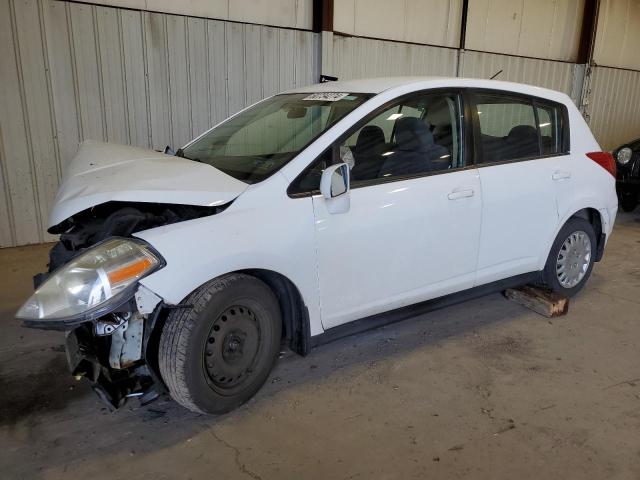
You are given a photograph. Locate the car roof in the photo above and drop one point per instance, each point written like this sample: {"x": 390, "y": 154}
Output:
{"x": 382, "y": 84}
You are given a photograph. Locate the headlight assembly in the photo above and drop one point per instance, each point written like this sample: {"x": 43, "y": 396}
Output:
{"x": 624, "y": 155}
{"x": 92, "y": 284}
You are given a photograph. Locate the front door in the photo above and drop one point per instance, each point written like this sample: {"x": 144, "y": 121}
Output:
{"x": 412, "y": 228}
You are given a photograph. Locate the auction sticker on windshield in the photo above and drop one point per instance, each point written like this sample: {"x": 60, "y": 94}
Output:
{"x": 326, "y": 97}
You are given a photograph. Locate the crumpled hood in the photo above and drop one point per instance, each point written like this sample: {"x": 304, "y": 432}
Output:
{"x": 104, "y": 172}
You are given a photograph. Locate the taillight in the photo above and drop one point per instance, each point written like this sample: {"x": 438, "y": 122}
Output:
{"x": 605, "y": 160}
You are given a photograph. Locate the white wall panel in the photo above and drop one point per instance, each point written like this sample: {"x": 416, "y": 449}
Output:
{"x": 618, "y": 34}
{"x": 20, "y": 215}
{"x": 281, "y": 13}
{"x": 547, "y": 29}
{"x": 199, "y": 74}
{"x": 36, "y": 105}
{"x": 432, "y": 22}
{"x": 614, "y": 116}
{"x": 355, "y": 57}
{"x": 109, "y": 40}
{"x": 542, "y": 73}
{"x": 73, "y": 71}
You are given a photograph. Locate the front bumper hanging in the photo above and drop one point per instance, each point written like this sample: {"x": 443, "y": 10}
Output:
{"x": 91, "y": 356}
{"x": 116, "y": 352}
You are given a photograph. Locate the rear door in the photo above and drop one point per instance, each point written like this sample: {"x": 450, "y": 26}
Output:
{"x": 519, "y": 209}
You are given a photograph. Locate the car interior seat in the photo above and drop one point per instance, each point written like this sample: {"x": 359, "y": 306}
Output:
{"x": 367, "y": 153}
{"x": 521, "y": 142}
{"x": 416, "y": 150}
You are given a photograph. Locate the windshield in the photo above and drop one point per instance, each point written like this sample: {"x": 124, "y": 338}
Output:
{"x": 259, "y": 141}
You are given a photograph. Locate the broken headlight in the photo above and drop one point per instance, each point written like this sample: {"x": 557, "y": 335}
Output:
{"x": 92, "y": 284}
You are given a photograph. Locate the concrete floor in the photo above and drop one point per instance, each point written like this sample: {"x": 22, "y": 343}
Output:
{"x": 481, "y": 390}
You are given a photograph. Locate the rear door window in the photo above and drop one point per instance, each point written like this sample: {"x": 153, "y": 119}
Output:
{"x": 508, "y": 128}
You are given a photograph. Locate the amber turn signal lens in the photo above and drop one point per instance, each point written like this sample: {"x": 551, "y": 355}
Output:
{"x": 127, "y": 272}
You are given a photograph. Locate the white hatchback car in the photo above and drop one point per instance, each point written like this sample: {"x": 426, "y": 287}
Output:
{"x": 313, "y": 214}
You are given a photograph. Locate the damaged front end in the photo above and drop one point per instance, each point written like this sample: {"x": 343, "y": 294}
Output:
{"x": 92, "y": 289}
{"x": 92, "y": 292}
{"x": 114, "y": 362}
{"x": 109, "y": 317}
{"x": 118, "y": 352}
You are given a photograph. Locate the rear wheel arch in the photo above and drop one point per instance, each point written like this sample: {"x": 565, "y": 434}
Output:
{"x": 594, "y": 217}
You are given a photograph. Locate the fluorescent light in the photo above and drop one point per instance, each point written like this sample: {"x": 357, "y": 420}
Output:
{"x": 394, "y": 116}
{"x": 545, "y": 124}
{"x": 386, "y": 154}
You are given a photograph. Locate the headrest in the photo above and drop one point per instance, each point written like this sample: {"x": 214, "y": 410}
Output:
{"x": 413, "y": 134}
{"x": 369, "y": 137}
{"x": 523, "y": 133}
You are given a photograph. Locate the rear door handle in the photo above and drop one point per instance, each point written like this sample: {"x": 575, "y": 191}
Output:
{"x": 561, "y": 175}
{"x": 464, "y": 193}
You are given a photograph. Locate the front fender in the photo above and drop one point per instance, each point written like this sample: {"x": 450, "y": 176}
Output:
{"x": 260, "y": 230}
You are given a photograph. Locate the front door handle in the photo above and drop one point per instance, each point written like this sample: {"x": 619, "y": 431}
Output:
{"x": 561, "y": 175}
{"x": 464, "y": 193}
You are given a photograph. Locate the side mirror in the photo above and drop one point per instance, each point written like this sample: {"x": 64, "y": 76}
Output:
{"x": 335, "y": 181}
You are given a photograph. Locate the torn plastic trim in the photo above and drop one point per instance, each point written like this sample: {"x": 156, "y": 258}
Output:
{"x": 89, "y": 357}
{"x": 146, "y": 300}
{"x": 116, "y": 371}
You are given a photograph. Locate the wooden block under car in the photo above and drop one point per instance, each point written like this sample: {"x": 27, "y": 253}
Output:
{"x": 539, "y": 300}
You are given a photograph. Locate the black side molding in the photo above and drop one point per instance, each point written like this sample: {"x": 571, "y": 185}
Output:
{"x": 404, "y": 313}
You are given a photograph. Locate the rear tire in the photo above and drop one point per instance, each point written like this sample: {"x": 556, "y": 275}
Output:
{"x": 571, "y": 258}
{"x": 216, "y": 354}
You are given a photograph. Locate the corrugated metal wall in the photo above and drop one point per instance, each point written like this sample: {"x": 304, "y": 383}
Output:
{"x": 541, "y": 73}
{"x": 356, "y": 57}
{"x": 433, "y": 22}
{"x": 547, "y": 29}
{"x": 72, "y": 71}
{"x": 614, "y": 115}
{"x": 277, "y": 13}
{"x": 618, "y": 34}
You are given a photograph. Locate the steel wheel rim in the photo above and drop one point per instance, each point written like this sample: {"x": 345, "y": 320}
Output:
{"x": 232, "y": 347}
{"x": 573, "y": 259}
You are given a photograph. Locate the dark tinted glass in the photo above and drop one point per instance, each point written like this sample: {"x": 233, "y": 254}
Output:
{"x": 507, "y": 128}
{"x": 418, "y": 135}
{"x": 550, "y": 123}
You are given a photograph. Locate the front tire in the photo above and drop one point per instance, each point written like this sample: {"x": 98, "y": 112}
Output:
{"x": 216, "y": 353}
{"x": 571, "y": 258}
